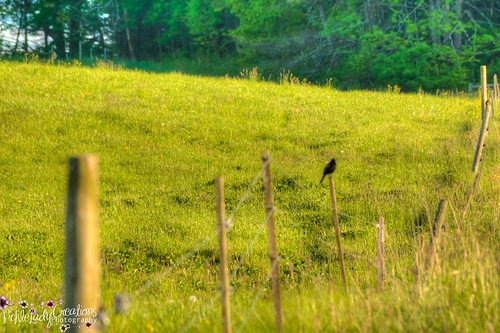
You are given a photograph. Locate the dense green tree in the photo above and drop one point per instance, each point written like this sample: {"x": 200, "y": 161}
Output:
{"x": 264, "y": 19}
{"x": 202, "y": 20}
{"x": 172, "y": 35}
{"x": 360, "y": 43}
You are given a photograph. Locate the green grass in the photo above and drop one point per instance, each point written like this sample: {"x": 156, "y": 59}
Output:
{"x": 161, "y": 140}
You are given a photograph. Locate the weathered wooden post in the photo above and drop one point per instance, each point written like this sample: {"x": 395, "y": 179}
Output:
{"x": 478, "y": 159}
{"x": 224, "y": 269}
{"x": 486, "y": 115}
{"x": 82, "y": 256}
{"x": 437, "y": 225}
{"x": 496, "y": 87}
{"x": 496, "y": 95}
{"x": 337, "y": 231}
{"x": 380, "y": 250}
{"x": 482, "y": 137}
{"x": 271, "y": 236}
{"x": 484, "y": 90}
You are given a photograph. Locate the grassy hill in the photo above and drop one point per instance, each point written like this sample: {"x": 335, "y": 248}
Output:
{"x": 162, "y": 139}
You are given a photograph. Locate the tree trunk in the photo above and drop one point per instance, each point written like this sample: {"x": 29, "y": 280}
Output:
{"x": 129, "y": 39}
{"x": 25, "y": 21}
{"x": 75, "y": 27}
{"x": 16, "y": 45}
{"x": 46, "y": 34}
{"x": 59, "y": 40}
{"x": 374, "y": 14}
{"x": 324, "y": 23}
{"x": 115, "y": 18}
{"x": 435, "y": 33}
{"x": 457, "y": 36}
{"x": 102, "y": 43}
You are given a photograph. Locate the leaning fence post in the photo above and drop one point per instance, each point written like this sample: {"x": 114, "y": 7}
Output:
{"x": 337, "y": 231}
{"x": 82, "y": 256}
{"x": 271, "y": 235}
{"x": 380, "y": 250}
{"x": 437, "y": 226}
{"x": 224, "y": 270}
{"x": 482, "y": 137}
{"x": 438, "y": 222}
{"x": 478, "y": 158}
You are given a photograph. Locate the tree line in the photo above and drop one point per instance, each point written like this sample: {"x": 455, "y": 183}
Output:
{"x": 417, "y": 44}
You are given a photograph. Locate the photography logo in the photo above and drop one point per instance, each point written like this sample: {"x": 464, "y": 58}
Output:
{"x": 50, "y": 313}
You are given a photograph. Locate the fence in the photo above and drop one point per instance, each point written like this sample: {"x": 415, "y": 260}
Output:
{"x": 82, "y": 261}
{"x": 474, "y": 87}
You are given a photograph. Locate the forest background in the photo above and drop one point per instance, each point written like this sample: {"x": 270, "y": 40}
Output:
{"x": 352, "y": 44}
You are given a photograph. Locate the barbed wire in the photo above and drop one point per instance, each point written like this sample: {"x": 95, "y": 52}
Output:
{"x": 249, "y": 247}
{"x": 229, "y": 224}
{"x": 257, "y": 235}
{"x": 212, "y": 300}
{"x": 243, "y": 257}
{"x": 243, "y": 198}
{"x": 201, "y": 244}
{"x": 180, "y": 261}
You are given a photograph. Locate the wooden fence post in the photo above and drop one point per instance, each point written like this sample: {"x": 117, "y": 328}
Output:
{"x": 337, "y": 231}
{"x": 484, "y": 91}
{"x": 437, "y": 226}
{"x": 478, "y": 160}
{"x": 496, "y": 94}
{"x": 224, "y": 270}
{"x": 438, "y": 222}
{"x": 271, "y": 236}
{"x": 82, "y": 256}
{"x": 380, "y": 250}
{"x": 496, "y": 87}
{"x": 482, "y": 137}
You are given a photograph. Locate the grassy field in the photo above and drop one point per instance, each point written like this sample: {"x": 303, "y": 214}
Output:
{"x": 161, "y": 140}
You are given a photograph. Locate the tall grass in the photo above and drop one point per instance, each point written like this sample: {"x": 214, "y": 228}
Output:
{"x": 161, "y": 140}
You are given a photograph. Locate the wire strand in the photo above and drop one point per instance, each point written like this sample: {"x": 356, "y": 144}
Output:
{"x": 243, "y": 198}
{"x": 257, "y": 297}
{"x": 180, "y": 261}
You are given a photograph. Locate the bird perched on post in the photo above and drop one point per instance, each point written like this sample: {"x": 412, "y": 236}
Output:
{"x": 329, "y": 169}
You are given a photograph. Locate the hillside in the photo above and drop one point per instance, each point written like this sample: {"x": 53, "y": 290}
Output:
{"x": 162, "y": 139}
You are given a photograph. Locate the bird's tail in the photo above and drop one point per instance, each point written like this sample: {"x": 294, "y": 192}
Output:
{"x": 321, "y": 181}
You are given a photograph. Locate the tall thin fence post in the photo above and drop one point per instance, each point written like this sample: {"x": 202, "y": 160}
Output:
{"x": 496, "y": 87}
{"x": 224, "y": 269}
{"x": 380, "y": 250}
{"x": 82, "y": 256}
{"x": 271, "y": 236}
{"x": 484, "y": 90}
{"x": 337, "y": 231}
{"x": 496, "y": 94}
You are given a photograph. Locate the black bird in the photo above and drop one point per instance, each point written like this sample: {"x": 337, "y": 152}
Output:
{"x": 329, "y": 169}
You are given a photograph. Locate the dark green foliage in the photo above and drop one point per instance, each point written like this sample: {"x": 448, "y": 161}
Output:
{"x": 360, "y": 44}
{"x": 389, "y": 59}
